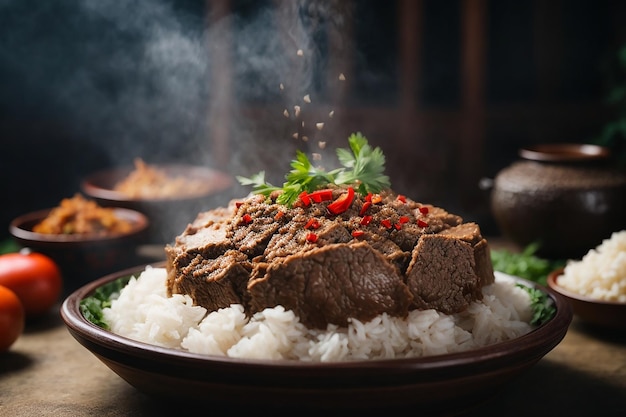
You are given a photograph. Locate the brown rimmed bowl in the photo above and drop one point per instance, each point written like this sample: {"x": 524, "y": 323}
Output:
{"x": 604, "y": 314}
{"x": 168, "y": 216}
{"x": 83, "y": 257}
{"x": 445, "y": 384}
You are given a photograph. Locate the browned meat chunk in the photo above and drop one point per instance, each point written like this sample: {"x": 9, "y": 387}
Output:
{"x": 214, "y": 283}
{"x": 331, "y": 284}
{"x": 444, "y": 273}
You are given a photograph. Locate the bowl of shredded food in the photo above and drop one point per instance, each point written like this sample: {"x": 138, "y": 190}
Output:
{"x": 595, "y": 285}
{"x": 168, "y": 194}
{"x": 85, "y": 239}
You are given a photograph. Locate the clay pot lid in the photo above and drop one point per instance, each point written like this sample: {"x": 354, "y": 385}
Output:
{"x": 564, "y": 152}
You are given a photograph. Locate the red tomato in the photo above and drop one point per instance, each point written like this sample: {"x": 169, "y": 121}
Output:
{"x": 11, "y": 318}
{"x": 34, "y": 277}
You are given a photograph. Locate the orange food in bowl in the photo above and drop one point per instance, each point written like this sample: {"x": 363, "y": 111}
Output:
{"x": 78, "y": 215}
{"x": 150, "y": 182}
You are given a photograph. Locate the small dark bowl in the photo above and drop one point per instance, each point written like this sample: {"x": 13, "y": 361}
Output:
{"x": 589, "y": 310}
{"x": 168, "y": 216}
{"x": 443, "y": 384}
{"x": 83, "y": 258}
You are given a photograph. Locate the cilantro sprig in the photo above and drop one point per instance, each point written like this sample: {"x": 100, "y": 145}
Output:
{"x": 541, "y": 304}
{"x": 362, "y": 166}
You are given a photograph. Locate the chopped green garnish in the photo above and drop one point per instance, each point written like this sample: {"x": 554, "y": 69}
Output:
{"x": 541, "y": 304}
{"x": 91, "y": 307}
{"x": 525, "y": 264}
{"x": 362, "y": 166}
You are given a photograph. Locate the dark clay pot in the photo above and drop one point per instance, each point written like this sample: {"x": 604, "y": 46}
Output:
{"x": 566, "y": 197}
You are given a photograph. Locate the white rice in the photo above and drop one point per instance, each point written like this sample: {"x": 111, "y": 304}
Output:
{"x": 143, "y": 312}
{"x": 601, "y": 273}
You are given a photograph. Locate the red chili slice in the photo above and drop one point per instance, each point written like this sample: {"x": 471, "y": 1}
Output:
{"x": 321, "y": 195}
{"x": 366, "y": 220}
{"x": 279, "y": 215}
{"x": 357, "y": 233}
{"x": 311, "y": 237}
{"x": 365, "y": 207}
{"x": 342, "y": 203}
{"x": 404, "y": 219}
{"x": 421, "y": 223}
{"x": 401, "y": 198}
{"x": 386, "y": 223}
{"x": 304, "y": 197}
{"x": 247, "y": 219}
{"x": 312, "y": 224}
{"x": 423, "y": 210}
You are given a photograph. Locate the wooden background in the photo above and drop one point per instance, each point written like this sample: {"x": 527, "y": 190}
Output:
{"x": 450, "y": 90}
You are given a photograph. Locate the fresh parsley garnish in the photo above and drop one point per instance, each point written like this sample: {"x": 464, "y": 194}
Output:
{"x": 91, "y": 307}
{"x": 362, "y": 166}
{"x": 525, "y": 264}
{"x": 542, "y": 305}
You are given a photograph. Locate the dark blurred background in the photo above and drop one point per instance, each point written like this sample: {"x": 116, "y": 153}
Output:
{"x": 450, "y": 89}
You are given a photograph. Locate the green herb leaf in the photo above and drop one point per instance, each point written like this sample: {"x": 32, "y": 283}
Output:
{"x": 91, "y": 307}
{"x": 525, "y": 264}
{"x": 362, "y": 166}
{"x": 541, "y": 304}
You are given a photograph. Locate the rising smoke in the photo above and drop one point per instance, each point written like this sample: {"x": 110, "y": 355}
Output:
{"x": 143, "y": 77}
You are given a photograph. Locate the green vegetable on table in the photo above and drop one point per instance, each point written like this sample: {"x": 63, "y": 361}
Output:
{"x": 525, "y": 264}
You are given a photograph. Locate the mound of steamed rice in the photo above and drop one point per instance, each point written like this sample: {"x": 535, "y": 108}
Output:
{"x": 144, "y": 313}
{"x": 601, "y": 273}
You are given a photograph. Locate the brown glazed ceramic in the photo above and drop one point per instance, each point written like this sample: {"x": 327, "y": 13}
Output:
{"x": 168, "y": 216}
{"x": 589, "y": 310}
{"x": 438, "y": 385}
{"x": 83, "y": 258}
{"x": 566, "y": 197}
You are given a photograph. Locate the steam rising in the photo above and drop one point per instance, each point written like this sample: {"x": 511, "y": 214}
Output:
{"x": 142, "y": 78}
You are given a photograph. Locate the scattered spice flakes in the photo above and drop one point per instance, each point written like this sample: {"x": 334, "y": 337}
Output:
{"x": 305, "y": 138}
{"x": 296, "y": 109}
{"x": 331, "y": 114}
{"x": 300, "y": 52}
{"x": 317, "y": 156}
{"x": 321, "y": 144}
{"x": 286, "y": 113}
{"x": 295, "y": 135}
{"x": 319, "y": 126}
{"x": 342, "y": 77}
{"x": 307, "y": 98}
{"x": 281, "y": 86}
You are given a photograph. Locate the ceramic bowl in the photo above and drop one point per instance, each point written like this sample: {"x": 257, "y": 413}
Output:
{"x": 168, "y": 216}
{"x": 566, "y": 197}
{"x": 589, "y": 310}
{"x": 443, "y": 384}
{"x": 83, "y": 258}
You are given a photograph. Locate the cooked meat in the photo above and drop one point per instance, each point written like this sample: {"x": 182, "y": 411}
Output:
{"x": 388, "y": 255}
{"x": 214, "y": 283}
{"x": 330, "y": 284}
{"x": 445, "y": 285}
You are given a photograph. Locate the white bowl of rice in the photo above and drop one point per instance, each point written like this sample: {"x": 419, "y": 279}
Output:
{"x": 168, "y": 348}
{"x": 595, "y": 285}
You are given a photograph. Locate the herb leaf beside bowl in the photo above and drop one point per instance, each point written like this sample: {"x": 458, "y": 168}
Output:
{"x": 525, "y": 264}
